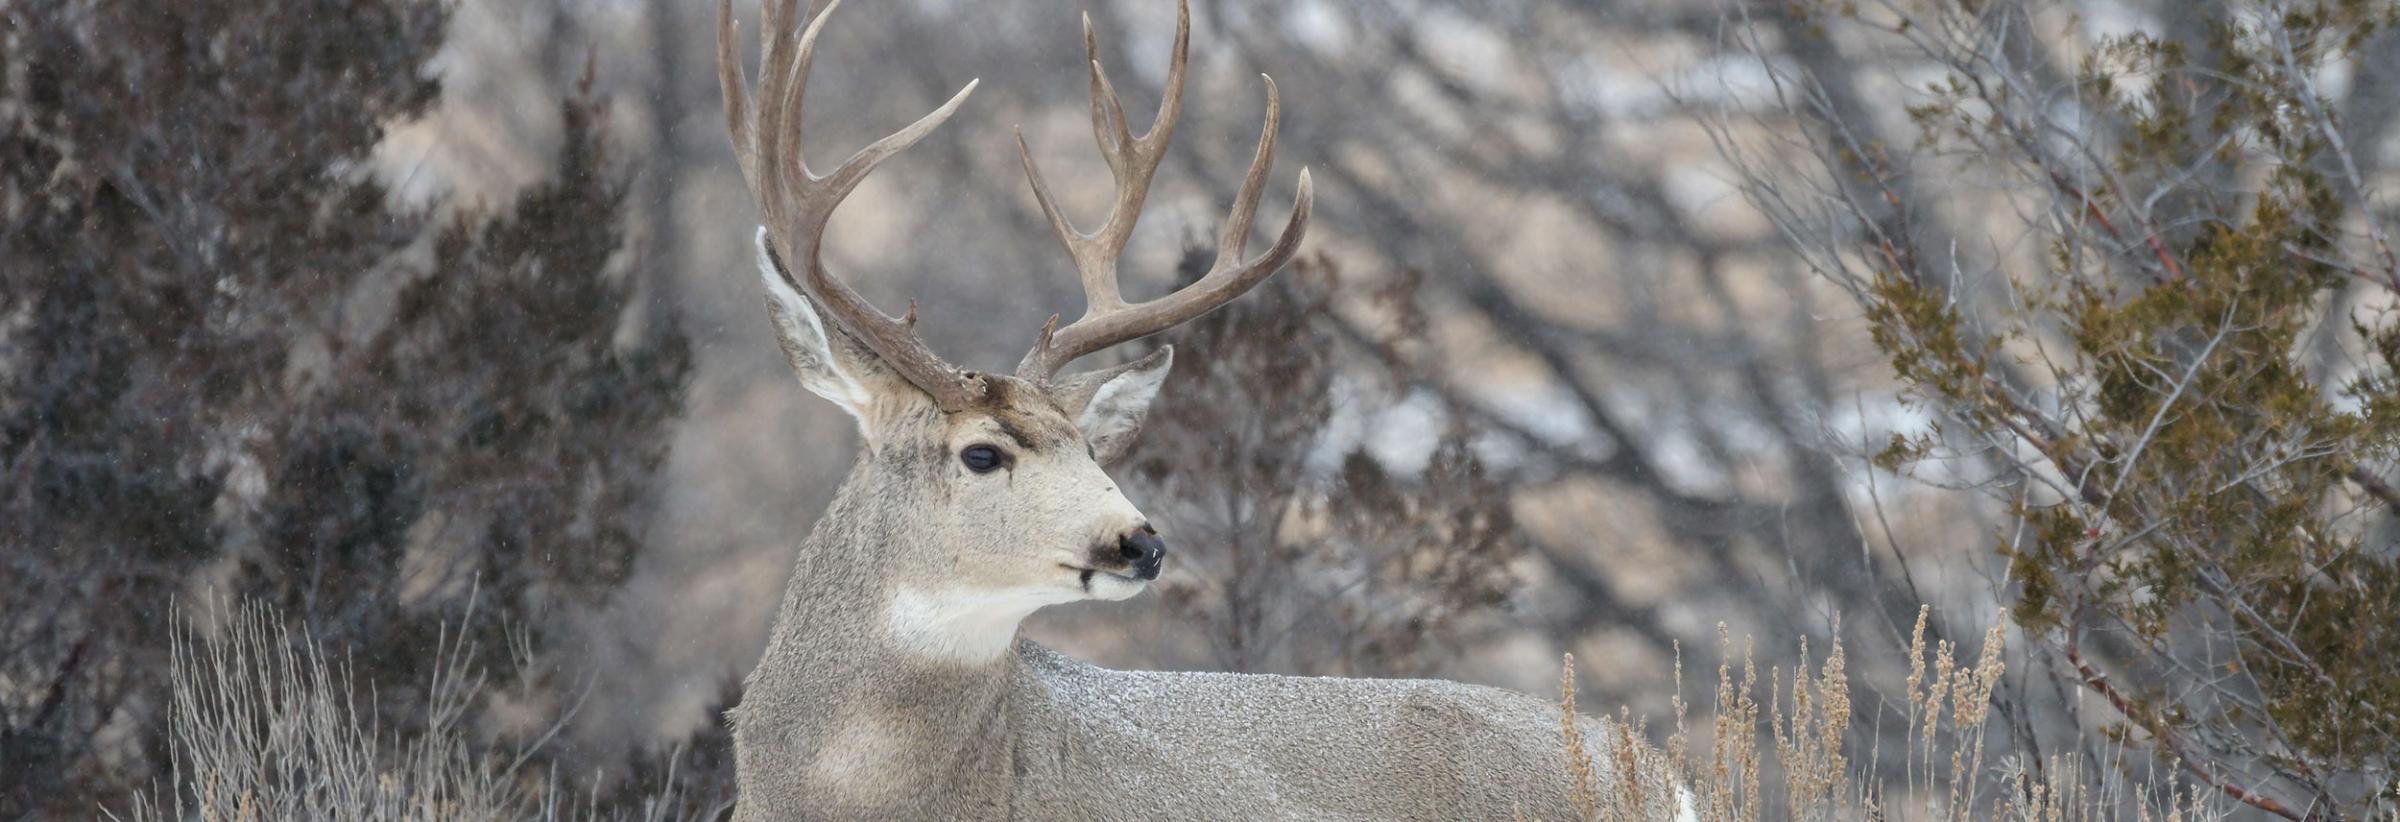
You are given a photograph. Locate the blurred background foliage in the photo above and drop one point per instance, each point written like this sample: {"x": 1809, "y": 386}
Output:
{"x": 1619, "y": 320}
{"x": 238, "y": 369}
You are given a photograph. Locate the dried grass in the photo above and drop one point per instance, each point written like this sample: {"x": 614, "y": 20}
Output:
{"x": 1792, "y": 754}
{"x": 263, "y": 726}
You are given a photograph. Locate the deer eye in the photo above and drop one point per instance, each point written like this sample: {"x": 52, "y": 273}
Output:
{"x": 982, "y": 459}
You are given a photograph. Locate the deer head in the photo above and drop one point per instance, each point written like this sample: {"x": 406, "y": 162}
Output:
{"x": 997, "y": 477}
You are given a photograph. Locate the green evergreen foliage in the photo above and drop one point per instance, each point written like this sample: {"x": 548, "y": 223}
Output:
{"x": 2206, "y": 512}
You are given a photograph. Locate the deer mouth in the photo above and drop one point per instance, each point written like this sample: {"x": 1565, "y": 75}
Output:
{"x": 1086, "y": 576}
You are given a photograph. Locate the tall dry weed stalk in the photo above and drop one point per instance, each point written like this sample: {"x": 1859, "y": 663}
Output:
{"x": 1640, "y": 785}
{"x": 1792, "y": 754}
{"x": 1579, "y": 762}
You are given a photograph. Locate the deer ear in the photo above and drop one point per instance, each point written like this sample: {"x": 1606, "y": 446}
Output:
{"x": 1109, "y": 404}
{"x": 829, "y": 361}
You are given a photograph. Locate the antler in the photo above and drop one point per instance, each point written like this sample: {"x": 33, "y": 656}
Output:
{"x": 798, "y": 203}
{"x": 1132, "y": 161}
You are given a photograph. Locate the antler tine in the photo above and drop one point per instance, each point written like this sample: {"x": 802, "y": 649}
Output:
{"x": 1236, "y": 236}
{"x": 731, "y": 80}
{"x": 1132, "y": 161}
{"x": 798, "y": 203}
{"x": 1108, "y": 110}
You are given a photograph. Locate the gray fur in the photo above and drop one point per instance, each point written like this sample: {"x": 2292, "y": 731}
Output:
{"x": 849, "y": 716}
{"x": 1121, "y": 403}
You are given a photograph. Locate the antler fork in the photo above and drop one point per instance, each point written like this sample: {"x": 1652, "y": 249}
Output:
{"x": 798, "y": 203}
{"x": 1132, "y": 162}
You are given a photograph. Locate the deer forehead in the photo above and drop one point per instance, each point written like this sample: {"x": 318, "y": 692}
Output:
{"x": 1021, "y": 416}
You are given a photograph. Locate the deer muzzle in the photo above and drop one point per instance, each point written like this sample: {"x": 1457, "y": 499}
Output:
{"x": 1142, "y": 551}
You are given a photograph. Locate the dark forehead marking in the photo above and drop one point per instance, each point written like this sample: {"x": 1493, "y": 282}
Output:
{"x": 1027, "y": 414}
{"x": 1035, "y": 430}
{"x": 1011, "y": 430}
{"x": 1002, "y": 393}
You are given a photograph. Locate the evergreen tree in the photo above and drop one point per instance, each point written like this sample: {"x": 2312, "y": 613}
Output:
{"x": 232, "y": 368}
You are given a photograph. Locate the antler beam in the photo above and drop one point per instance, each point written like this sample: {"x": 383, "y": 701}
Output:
{"x": 1132, "y": 162}
{"x": 798, "y": 204}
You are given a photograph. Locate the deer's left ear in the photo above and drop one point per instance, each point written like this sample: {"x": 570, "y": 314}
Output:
{"x": 1109, "y": 404}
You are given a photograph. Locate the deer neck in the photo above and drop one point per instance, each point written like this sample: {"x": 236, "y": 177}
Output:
{"x": 846, "y": 703}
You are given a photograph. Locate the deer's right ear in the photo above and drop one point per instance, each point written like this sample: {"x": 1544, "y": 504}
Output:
{"x": 830, "y": 363}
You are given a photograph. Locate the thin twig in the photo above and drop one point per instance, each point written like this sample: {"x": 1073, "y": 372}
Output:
{"x": 2099, "y": 684}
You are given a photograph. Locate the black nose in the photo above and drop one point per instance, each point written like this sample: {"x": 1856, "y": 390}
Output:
{"x": 1143, "y": 550}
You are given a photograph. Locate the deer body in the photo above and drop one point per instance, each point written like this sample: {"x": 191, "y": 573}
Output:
{"x": 895, "y": 685}
{"x": 848, "y": 716}
{"x": 1040, "y": 736}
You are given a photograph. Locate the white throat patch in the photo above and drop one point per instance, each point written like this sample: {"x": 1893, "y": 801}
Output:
{"x": 965, "y": 625}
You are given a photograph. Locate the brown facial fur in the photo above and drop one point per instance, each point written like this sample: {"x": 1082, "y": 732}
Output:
{"x": 1026, "y": 414}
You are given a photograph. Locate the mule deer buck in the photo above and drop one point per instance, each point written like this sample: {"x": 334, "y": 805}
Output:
{"x": 895, "y": 684}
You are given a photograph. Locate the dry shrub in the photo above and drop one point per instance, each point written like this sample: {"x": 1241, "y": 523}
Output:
{"x": 263, "y": 725}
{"x": 1308, "y": 553}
